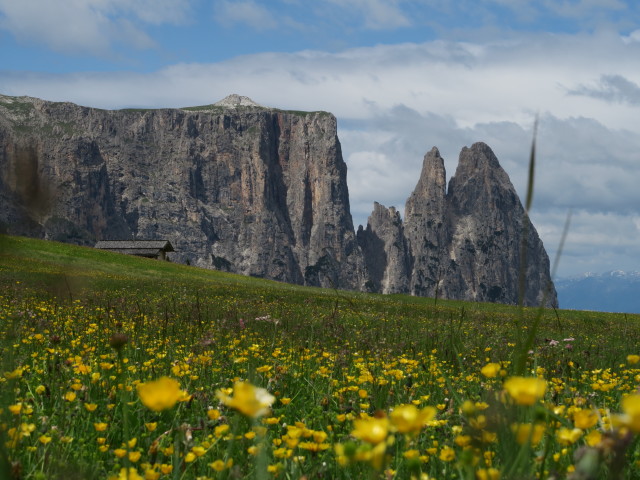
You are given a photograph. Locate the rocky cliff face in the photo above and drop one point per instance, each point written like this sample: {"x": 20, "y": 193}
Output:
{"x": 236, "y": 186}
{"x": 258, "y": 191}
{"x": 464, "y": 242}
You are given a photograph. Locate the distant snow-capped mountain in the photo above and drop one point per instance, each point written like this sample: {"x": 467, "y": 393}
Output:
{"x": 614, "y": 291}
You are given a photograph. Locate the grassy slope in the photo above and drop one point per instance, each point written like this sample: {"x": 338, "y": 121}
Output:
{"x": 44, "y": 264}
{"x": 68, "y": 270}
{"x": 188, "y": 294}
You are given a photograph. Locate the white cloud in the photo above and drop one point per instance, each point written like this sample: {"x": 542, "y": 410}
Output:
{"x": 632, "y": 37}
{"x": 87, "y": 26}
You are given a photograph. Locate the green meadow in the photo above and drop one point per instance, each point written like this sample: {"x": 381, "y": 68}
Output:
{"x": 127, "y": 368}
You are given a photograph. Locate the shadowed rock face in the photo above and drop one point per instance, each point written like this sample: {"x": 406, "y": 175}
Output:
{"x": 239, "y": 187}
{"x": 385, "y": 251}
{"x": 242, "y": 188}
{"x": 464, "y": 243}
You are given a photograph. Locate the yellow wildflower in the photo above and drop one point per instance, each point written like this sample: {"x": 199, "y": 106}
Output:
{"x": 131, "y": 474}
{"x": 249, "y": 400}
{"x": 151, "y": 426}
{"x": 166, "y": 469}
{"x": 151, "y": 474}
{"x": 633, "y": 359}
{"x": 314, "y": 446}
{"x": 594, "y": 438}
{"x": 409, "y": 419}
{"x": 585, "y": 418}
{"x": 217, "y": 465}
{"x": 525, "y": 390}
{"x": 26, "y": 429}
{"x": 199, "y": 451}
{"x": 411, "y": 454}
{"x": 568, "y": 436}
{"x": 490, "y": 370}
{"x": 462, "y": 440}
{"x": 17, "y": 373}
{"x": 160, "y": 394}
{"x": 488, "y": 474}
{"x": 282, "y": 453}
{"x": 213, "y": 413}
{"x": 371, "y": 430}
{"x": 447, "y": 454}
{"x": 253, "y": 450}
{"x": 631, "y": 409}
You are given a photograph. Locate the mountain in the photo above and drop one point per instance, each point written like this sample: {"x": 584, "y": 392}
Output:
{"x": 615, "y": 291}
{"x": 463, "y": 241}
{"x": 260, "y": 191}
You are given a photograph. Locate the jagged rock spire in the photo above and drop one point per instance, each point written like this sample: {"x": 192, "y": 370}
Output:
{"x": 487, "y": 224}
{"x": 463, "y": 243}
{"x": 425, "y": 226}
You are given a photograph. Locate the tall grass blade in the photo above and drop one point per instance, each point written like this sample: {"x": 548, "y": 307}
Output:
{"x": 527, "y": 344}
{"x": 525, "y": 227}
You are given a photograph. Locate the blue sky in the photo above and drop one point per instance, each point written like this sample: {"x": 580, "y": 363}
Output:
{"x": 400, "y": 75}
{"x": 145, "y": 35}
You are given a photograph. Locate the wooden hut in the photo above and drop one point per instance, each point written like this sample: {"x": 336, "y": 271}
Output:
{"x": 142, "y": 248}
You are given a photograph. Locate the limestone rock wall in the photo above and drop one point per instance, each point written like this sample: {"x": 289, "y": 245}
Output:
{"x": 250, "y": 190}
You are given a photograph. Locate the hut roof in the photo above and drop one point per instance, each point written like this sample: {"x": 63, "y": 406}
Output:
{"x": 164, "y": 245}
